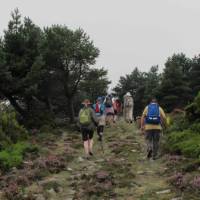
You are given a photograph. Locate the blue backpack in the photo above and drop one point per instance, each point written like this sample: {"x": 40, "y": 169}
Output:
{"x": 153, "y": 114}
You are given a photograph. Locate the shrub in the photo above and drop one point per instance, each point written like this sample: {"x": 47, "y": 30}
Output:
{"x": 185, "y": 142}
{"x": 10, "y": 129}
{"x": 193, "y": 109}
{"x": 195, "y": 127}
{"x": 9, "y": 160}
{"x": 13, "y": 156}
{"x": 178, "y": 123}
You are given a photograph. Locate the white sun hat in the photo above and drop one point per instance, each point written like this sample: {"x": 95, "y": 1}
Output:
{"x": 128, "y": 94}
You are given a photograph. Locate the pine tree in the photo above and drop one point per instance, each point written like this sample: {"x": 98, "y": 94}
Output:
{"x": 195, "y": 75}
{"x": 174, "y": 89}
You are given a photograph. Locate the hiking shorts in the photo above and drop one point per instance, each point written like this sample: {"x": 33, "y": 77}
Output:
{"x": 87, "y": 134}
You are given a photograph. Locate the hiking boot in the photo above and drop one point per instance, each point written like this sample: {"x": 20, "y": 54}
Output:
{"x": 149, "y": 154}
{"x": 100, "y": 138}
{"x": 155, "y": 157}
{"x": 91, "y": 154}
{"x": 86, "y": 157}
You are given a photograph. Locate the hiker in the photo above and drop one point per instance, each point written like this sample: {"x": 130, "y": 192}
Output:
{"x": 152, "y": 120}
{"x": 99, "y": 109}
{"x": 116, "y": 107}
{"x": 87, "y": 122}
{"x": 109, "y": 109}
{"x": 128, "y": 107}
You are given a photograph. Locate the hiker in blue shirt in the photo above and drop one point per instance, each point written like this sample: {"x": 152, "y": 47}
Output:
{"x": 99, "y": 109}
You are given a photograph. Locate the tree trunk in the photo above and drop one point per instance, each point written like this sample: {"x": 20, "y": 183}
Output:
{"x": 17, "y": 107}
{"x": 71, "y": 109}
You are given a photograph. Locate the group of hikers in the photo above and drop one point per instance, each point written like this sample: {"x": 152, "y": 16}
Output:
{"x": 106, "y": 111}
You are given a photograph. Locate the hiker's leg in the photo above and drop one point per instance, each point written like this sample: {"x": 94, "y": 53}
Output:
{"x": 115, "y": 116}
{"x": 86, "y": 147}
{"x": 100, "y": 133}
{"x": 156, "y": 138}
{"x": 98, "y": 130}
{"x": 131, "y": 114}
{"x": 90, "y": 146}
{"x": 149, "y": 141}
{"x": 130, "y": 117}
{"x": 101, "y": 128}
{"x": 90, "y": 142}
{"x": 85, "y": 139}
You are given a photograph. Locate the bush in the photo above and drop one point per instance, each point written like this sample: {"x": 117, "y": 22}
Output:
{"x": 10, "y": 130}
{"x": 13, "y": 156}
{"x": 193, "y": 109}
{"x": 178, "y": 123}
{"x": 185, "y": 142}
{"x": 195, "y": 127}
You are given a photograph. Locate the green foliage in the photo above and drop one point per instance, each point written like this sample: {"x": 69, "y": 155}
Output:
{"x": 10, "y": 130}
{"x": 183, "y": 136}
{"x": 195, "y": 75}
{"x": 193, "y": 109}
{"x": 68, "y": 54}
{"x": 9, "y": 160}
{"x": 95, "y": 83}
{"x": 178, "y": 123}
{"x": 151, "y": 83}
{"x": 32, "y": 60}
{"x": 185, "y": 142}
{"x": 21, "y": 65}
{"x": 174, "y": 89}
{"x": 13, "y": 155}
{"x": 195, "y": 127}
{"x": 135, "y": 84}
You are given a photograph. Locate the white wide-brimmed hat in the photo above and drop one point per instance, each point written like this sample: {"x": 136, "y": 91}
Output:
{"x": 128, "y": 94}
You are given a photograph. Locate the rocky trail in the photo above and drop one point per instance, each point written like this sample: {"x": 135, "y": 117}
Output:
{"x": 121, "y": 172}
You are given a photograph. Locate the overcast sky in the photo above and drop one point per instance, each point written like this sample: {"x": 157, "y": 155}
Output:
{"x": 129, "y": 33}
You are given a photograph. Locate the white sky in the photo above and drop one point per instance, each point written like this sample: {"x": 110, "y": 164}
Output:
{"x": 129, "y": 33}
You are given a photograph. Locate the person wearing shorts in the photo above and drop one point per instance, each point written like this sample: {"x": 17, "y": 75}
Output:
{"x": 87, "y": 134}
{"x": 87, "y": 130}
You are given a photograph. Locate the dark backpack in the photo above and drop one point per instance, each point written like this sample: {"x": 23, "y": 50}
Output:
{"x": 153, "y": 114}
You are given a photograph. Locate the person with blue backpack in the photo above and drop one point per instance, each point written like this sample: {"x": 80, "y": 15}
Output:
{"x": 99, "y": 109}
{"x": 152, "y": 121}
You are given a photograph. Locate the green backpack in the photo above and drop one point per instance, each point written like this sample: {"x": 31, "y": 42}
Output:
{"x": 85, "y": 117}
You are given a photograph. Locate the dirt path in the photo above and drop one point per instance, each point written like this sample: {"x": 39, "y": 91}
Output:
{"x": 122, "y": 172}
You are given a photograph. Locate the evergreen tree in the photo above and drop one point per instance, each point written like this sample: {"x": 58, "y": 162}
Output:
{"x": 174, "y": 89}
{"x": 135, "y": 84}
{"x": 195, "y": 75}
{"x": 95, "y": 83}
{"x": 21, "y": 63}
{"x": 152, "y": 83}
{"x": 68, "y": 56}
